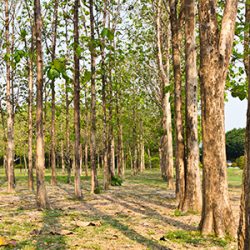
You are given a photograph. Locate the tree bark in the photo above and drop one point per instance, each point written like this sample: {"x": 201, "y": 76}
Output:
{"x": 53, "y": 105}
{"x": 62, "y": 157}
{"x": 106, "y": 177}
{"x": 30, "y": 112}
{"x": 9, "y": 104}
{"x": 167, "y": 165}
{"x": 94, "y": 181}
{"x": 244, "y": 224}
{"x": 193, "y": 199}
{"x": 78, "y": 192}
{"x": 175, "y": 21}
{"x": 215, "y": 52}
{"x": 42, "y": 200}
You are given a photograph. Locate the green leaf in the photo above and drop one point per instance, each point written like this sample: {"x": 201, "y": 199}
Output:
{"x": 53, "y": 74}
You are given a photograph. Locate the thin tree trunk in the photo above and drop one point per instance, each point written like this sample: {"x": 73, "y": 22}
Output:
{"x": 215, "y": 52}
{"x": 193, "y": 199}
{"x": 62, "y": 157}
{"x": 86, "y": 159}
{"x": 106, "y": 177}
{"x": 81, "y": 159}
{"x": 53, "y": 105}
{"x": 78, "y": 192}
{"x": 25, "y": 163}
{"x": 167, "y": 164}
{"x": 30, "y": 113}
{"x": 10, "y": 117}
{"x": 244, "y": 224}
{"x": 149, "y": 159}
{"x": 42, "y": 200}
{"x": 175, "y": 21}
{"x": 94, "y": 181}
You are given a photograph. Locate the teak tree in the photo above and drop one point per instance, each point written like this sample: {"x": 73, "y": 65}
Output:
{"x": 215, "y": 51}
{"x": 42, "y": 200}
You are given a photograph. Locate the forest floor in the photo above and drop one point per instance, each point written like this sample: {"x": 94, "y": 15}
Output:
{"x": 141, "y": 214}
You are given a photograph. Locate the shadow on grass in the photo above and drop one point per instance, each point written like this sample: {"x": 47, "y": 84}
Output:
{"x": 124, "y": 229}
{"x": 50, "y": 236}
{"x": 149, "y": 212}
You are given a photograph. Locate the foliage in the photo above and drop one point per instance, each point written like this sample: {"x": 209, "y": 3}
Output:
{"x": 116, "y": 181}
{"x": 235, "y": 141}
{"x": 240, "y": 162}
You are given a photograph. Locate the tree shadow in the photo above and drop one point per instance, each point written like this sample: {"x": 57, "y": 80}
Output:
{"x": 51, "y": 235}
{"x": 149, "y": 212}
{"x": 125, "y": 230}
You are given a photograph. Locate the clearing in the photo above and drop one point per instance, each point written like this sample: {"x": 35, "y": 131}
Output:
{"x": 140, "y": 214}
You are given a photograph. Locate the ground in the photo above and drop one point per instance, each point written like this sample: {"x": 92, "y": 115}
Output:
{"x": 140, "y": 214}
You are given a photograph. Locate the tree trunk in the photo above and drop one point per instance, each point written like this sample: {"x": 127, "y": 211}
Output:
{"x": 81, "y": 160}
{"x": 9, "y": 104}
{"x": 30, "y": 112}
{"x": 94, "y": 181}
{"x": 215, "y": 52}
{"x": 106, "y": 180}
{"x": 25, "y": 163}
{"x": 149, "y": 159}
{"x": 42, "y": 200}
{"x": 53, "y": 105}
{"x": 175, "y": 21}
{"x": 62, "y": 157}
{"x": 166, "y": 140}
{"x": 193, "y": 199}
{"x": 78, "y": 192}
{"x": 244, "y": 225}
{"x": 86, "y": 159}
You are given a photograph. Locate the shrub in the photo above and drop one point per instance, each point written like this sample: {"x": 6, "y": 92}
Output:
{"x": 240, "y": 162}
{"x": 116, "y": 181}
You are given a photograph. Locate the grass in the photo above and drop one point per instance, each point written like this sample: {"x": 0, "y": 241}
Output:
{"x": 195, "y": 238}
{"x": 143, "y": 198}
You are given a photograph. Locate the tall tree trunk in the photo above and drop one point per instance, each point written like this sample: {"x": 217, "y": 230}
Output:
{"x": 193, "y": 198}
{"x": 78, "y": 192}
{"x": 68, "y": 160}
{"x": 86, "y": 159}
{"x": 30, "y": 112}
{"x": 9, "y": 104}
{"x": 175, "y": 20}
{"x": 62, "y": 157}
{"x": 149, "y": 159}
{"x": 94, "y": 181}
{"x": 166, "y": 140}
{"x": 215, "y": 52}
{"x": 244, "y": 225}
{"x": 53, "y": 105}
{"x": 42, "y": 200}
{"x": 81, "y": 156}
{"x": 106, "y": 177}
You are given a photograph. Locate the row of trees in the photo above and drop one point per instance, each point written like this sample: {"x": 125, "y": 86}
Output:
{"x": 110, "y": 80}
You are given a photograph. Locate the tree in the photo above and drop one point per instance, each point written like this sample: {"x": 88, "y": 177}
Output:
{"x": 166, "y": 140}
{"x": 42, "y": 200}
{"x": 78, "y": 192}
{"x": 192, "y": 200}
{"x": 235, "y": 140}
{"x": 215, "y": 51}
{"x": 176, "y": 20}
{"x": 94, "y": 181}
{"x": 53, "y": 108}
{"x": 244, "y": 225}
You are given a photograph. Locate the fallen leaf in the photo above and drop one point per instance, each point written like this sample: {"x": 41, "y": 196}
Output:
{"x": 88, "y": 223}
{"x": 3, "y": 241}
{"x": 163, "y": 238}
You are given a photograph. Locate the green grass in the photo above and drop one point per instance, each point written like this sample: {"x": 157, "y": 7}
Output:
{"x": 195, "y": 238}
{"x": 234, "y": 177}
